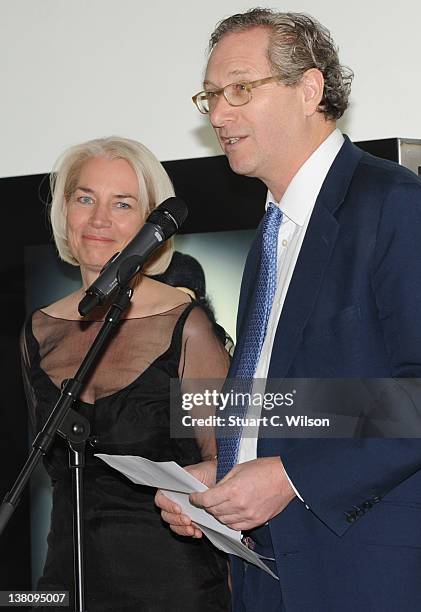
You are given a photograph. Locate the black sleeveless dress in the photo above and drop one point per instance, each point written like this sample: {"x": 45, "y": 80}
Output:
{"x": 133, "y": 561}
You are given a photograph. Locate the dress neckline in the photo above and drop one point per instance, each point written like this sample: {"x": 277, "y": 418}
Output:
{"x": 156, "y": 314}
{"x": 135, "y": 381}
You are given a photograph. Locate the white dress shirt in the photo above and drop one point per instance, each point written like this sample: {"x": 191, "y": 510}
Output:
{"x": 297, "y": 205}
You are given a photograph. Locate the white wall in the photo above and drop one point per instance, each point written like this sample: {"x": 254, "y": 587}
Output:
{"x": 76, "y": 69}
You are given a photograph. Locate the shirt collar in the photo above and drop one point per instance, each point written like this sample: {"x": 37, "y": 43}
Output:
{"x": 301, "y": 194}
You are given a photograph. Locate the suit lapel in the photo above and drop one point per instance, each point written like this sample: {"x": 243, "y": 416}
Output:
{"x": 314, "y": 256}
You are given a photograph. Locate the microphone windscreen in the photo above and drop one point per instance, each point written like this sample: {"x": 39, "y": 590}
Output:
{"x": 169, "y": 215}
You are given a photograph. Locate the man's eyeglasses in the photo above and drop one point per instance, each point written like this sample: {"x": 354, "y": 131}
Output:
{"x": 236, "y": 94}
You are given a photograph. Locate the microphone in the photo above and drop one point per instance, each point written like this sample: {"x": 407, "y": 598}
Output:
{"x": 161, "y": 224}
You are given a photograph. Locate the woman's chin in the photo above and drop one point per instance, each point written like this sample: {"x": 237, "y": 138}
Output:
{"x": 93, "y": 267}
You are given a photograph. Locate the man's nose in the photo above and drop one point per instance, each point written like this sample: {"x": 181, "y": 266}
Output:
{"x": 222, "y": 113}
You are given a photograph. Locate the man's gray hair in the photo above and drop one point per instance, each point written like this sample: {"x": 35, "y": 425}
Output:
{"x": 297, "y": 43}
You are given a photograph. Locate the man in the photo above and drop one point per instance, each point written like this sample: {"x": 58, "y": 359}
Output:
{"x": 341, "y": 517}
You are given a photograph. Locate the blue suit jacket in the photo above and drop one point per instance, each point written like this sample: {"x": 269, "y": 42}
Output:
{"x": 353, "y": 309}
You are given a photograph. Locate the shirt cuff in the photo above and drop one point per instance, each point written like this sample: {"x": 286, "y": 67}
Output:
{"x": 293, "y": 488}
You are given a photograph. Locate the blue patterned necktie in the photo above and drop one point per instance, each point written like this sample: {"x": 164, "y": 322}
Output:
{"x": 256, "y": 329}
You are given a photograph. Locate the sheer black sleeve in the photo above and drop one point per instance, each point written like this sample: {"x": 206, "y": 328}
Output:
{"x": 26, "y": 360}
{"x": 204, "y": 364}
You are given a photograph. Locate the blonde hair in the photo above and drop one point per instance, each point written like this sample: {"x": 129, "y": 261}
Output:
{"x": 154, "y": 187}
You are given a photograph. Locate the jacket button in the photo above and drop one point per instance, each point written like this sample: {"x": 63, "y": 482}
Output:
{"x": 350, "y": 517}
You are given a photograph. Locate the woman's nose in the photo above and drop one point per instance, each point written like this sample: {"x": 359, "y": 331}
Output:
{"x": 100, "y": 216}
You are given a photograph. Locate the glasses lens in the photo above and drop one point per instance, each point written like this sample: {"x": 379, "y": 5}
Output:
{"x": 237, "y": 94}
{"x": 202, "y": 102}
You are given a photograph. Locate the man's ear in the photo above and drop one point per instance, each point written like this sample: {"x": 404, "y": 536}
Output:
{"x": 312, "y": 84}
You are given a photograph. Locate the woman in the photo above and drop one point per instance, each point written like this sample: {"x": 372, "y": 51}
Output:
{"x": 101, "y": 194}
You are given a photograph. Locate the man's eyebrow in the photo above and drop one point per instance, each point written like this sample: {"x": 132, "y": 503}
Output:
{"x": 233, "y": 74}
{"x": 209, "y": 84}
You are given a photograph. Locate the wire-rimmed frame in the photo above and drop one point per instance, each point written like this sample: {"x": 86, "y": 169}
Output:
{"x": 201, "y": 99}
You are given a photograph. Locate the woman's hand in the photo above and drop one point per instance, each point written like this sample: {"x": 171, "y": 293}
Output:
{"x": 171, "y": 512}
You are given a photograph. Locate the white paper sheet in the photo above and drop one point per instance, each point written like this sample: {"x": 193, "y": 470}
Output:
{"x": 177, "y": 484}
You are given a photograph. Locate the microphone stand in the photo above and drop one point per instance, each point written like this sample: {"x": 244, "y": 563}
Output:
{"x": 75, "y": 429}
